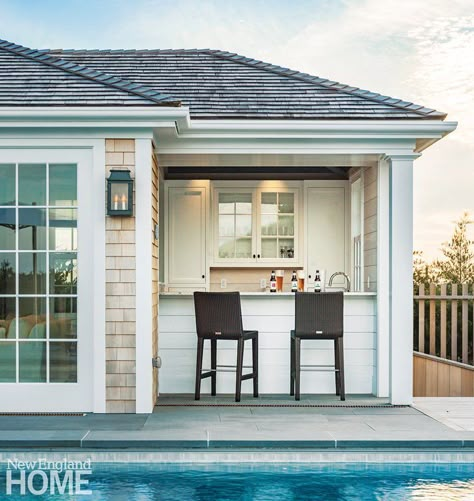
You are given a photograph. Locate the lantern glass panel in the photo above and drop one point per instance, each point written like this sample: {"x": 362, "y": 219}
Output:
{"x": 119, "y": 196}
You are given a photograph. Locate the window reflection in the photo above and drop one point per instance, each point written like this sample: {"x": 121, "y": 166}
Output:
{"x": 32, "y": 184}
{"x": 7, "y": 229}
{"x": 7, "y": 314}
{"x": 7, "y": 184}
{"x": 63, "y": 362}
{"x": 63, "y": 229}
{"x": 63, "y": 318}
{"x": 32, "y": 361}
{"x": 32, "y": 318}
{"x": 32, "y": 273}
{"x": 7, "y": 273}
{"x": 7, "y": 362}
{"x": 32, "y": 229}
{"x": 62, "y": 185}
{"x": 62, "y": 273}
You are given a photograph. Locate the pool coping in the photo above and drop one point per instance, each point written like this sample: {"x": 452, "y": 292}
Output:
{"x": 242, "y": 456}
{"x": 82, "y": 440}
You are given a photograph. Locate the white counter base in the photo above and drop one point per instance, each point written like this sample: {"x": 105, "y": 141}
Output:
{"x": 273, "y": 317}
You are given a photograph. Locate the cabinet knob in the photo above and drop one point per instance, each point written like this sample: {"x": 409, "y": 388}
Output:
{"x": 254, "y": 256}
{"x": 203, "y": 276}
{"x": 258, "y": 255}
{"x": 309, "y": 276}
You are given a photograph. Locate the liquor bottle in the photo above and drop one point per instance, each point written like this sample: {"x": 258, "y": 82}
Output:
{"x": 317, "y": 281}
{"x": 273, "y": 282}
{"x": 294, "y": 282}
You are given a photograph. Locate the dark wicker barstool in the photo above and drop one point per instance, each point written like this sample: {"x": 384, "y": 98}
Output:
{"x": 219, "y": 316}
{"x": 318, "y": 316}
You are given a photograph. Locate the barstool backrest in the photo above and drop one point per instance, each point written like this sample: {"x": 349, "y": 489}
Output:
{"x": 319, "y": 313}
{"x": 218, "y": 313}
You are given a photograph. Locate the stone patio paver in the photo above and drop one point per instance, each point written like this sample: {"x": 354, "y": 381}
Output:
{"x": 432, "y": 425}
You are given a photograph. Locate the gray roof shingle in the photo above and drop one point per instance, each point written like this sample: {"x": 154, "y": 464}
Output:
{"x": 33, "y": 78}
{"x": 214, "y": 84}
{"x": 217, "y": 85}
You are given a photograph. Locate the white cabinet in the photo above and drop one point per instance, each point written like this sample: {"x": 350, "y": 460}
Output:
{"x": 234, "y": 225}
{"x": 326, "y": 230}
{"x": 186, "y": 216}
{"x": 277, "y": 237}
{"x": 256, "y": 225}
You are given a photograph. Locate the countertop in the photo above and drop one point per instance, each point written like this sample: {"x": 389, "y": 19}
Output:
{"x": 267, "y": 294}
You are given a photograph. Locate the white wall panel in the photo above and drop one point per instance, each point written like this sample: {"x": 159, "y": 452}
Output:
{"x": 273, "y": 318}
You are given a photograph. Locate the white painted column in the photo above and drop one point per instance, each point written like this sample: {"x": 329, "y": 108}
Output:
{"x": 383, "y": 279}
{"x": 401, "y": 279}
{"x": 144, "y": 231}
{"x": 97, "y": 187}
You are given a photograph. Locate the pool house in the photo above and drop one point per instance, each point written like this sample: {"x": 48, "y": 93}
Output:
{"x": 129, "y": 179}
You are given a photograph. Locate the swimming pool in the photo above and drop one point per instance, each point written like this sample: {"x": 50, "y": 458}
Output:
{"x": 262, "y": 482}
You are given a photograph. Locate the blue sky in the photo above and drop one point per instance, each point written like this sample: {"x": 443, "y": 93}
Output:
{"x": 418, "y": 50}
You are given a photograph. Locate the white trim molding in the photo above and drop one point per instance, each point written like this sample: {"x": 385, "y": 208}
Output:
{"x": 401, "y": 279}
{"x": 144, "y": 291}
{"x": 383, "y": 278}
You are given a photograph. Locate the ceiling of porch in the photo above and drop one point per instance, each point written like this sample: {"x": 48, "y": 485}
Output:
{"x": 262, "y": 166}
{"x": 280, "y": 172}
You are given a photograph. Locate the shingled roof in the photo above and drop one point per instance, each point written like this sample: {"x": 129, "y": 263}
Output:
{"x": 212, "y": 83}
{"x": 216, "y": 84}
{"x": 32, "y": 78}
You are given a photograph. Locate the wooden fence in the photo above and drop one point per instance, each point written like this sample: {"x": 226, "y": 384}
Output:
{"x": 437, "y": 377}
{"x": 444, "y": 320}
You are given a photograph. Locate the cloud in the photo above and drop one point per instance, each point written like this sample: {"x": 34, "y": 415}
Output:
{"x": 417, "y": 50}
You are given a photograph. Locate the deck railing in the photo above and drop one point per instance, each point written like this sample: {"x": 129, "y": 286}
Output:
{"x": 443, "y": 321}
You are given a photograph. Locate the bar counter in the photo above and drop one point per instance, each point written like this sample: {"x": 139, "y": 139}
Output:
{"x": 272, "y": 314}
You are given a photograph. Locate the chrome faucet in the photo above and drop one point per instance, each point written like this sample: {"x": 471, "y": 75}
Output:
{"x": 348, "y": 288}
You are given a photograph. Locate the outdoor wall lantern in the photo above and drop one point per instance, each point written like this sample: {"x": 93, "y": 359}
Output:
{"x": 120, "y": 193}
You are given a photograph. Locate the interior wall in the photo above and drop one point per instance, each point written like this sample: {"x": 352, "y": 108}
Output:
{"x": 370, "y": 229}
{"x": 246, "y": 279}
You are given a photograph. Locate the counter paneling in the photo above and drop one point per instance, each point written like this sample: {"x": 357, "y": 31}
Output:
{"x": 273, "y": 317}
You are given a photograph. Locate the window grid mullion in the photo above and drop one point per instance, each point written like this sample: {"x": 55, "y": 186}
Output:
{"x": 48, "y": 203}
{"x": 17, "y": 277}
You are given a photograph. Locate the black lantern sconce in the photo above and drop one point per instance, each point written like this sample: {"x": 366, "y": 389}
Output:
{"x": 120, "y": 193}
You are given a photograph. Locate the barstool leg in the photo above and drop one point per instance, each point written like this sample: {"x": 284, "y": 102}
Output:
{"x": 336, "y": 367}
{"x": 341, "y": 368}
{"x": 240, "y": 363}
{"x": 213, "y": 366}
{"x": 297, "y": 367}
{"x": 255, "y": 365}
{"x": 200, "y": 345}
{"x": 292, "y": 366}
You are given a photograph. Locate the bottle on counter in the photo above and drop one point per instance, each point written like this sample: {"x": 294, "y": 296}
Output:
{"x": 294, "y": 282}
{"x": 317, "y": 281}
{"x": 273, "y": 282}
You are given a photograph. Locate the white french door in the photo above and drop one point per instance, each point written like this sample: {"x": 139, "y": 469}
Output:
{"x": 46, "y": 310}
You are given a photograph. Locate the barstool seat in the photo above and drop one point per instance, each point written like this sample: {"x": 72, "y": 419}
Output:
{"x": 219, "y": 316}
{"x": 318, "y": 316}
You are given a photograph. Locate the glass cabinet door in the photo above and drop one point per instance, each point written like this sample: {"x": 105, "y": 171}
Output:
{"x": 235, "y": 225}
{"x": 277, "y": 225}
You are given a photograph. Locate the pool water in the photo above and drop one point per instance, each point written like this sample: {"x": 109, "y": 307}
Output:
{"x": 262, "y": 482}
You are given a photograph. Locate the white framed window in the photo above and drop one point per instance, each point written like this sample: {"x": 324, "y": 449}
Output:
{"x": 51, "y": 225}
{"x": 38, "y": 273}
